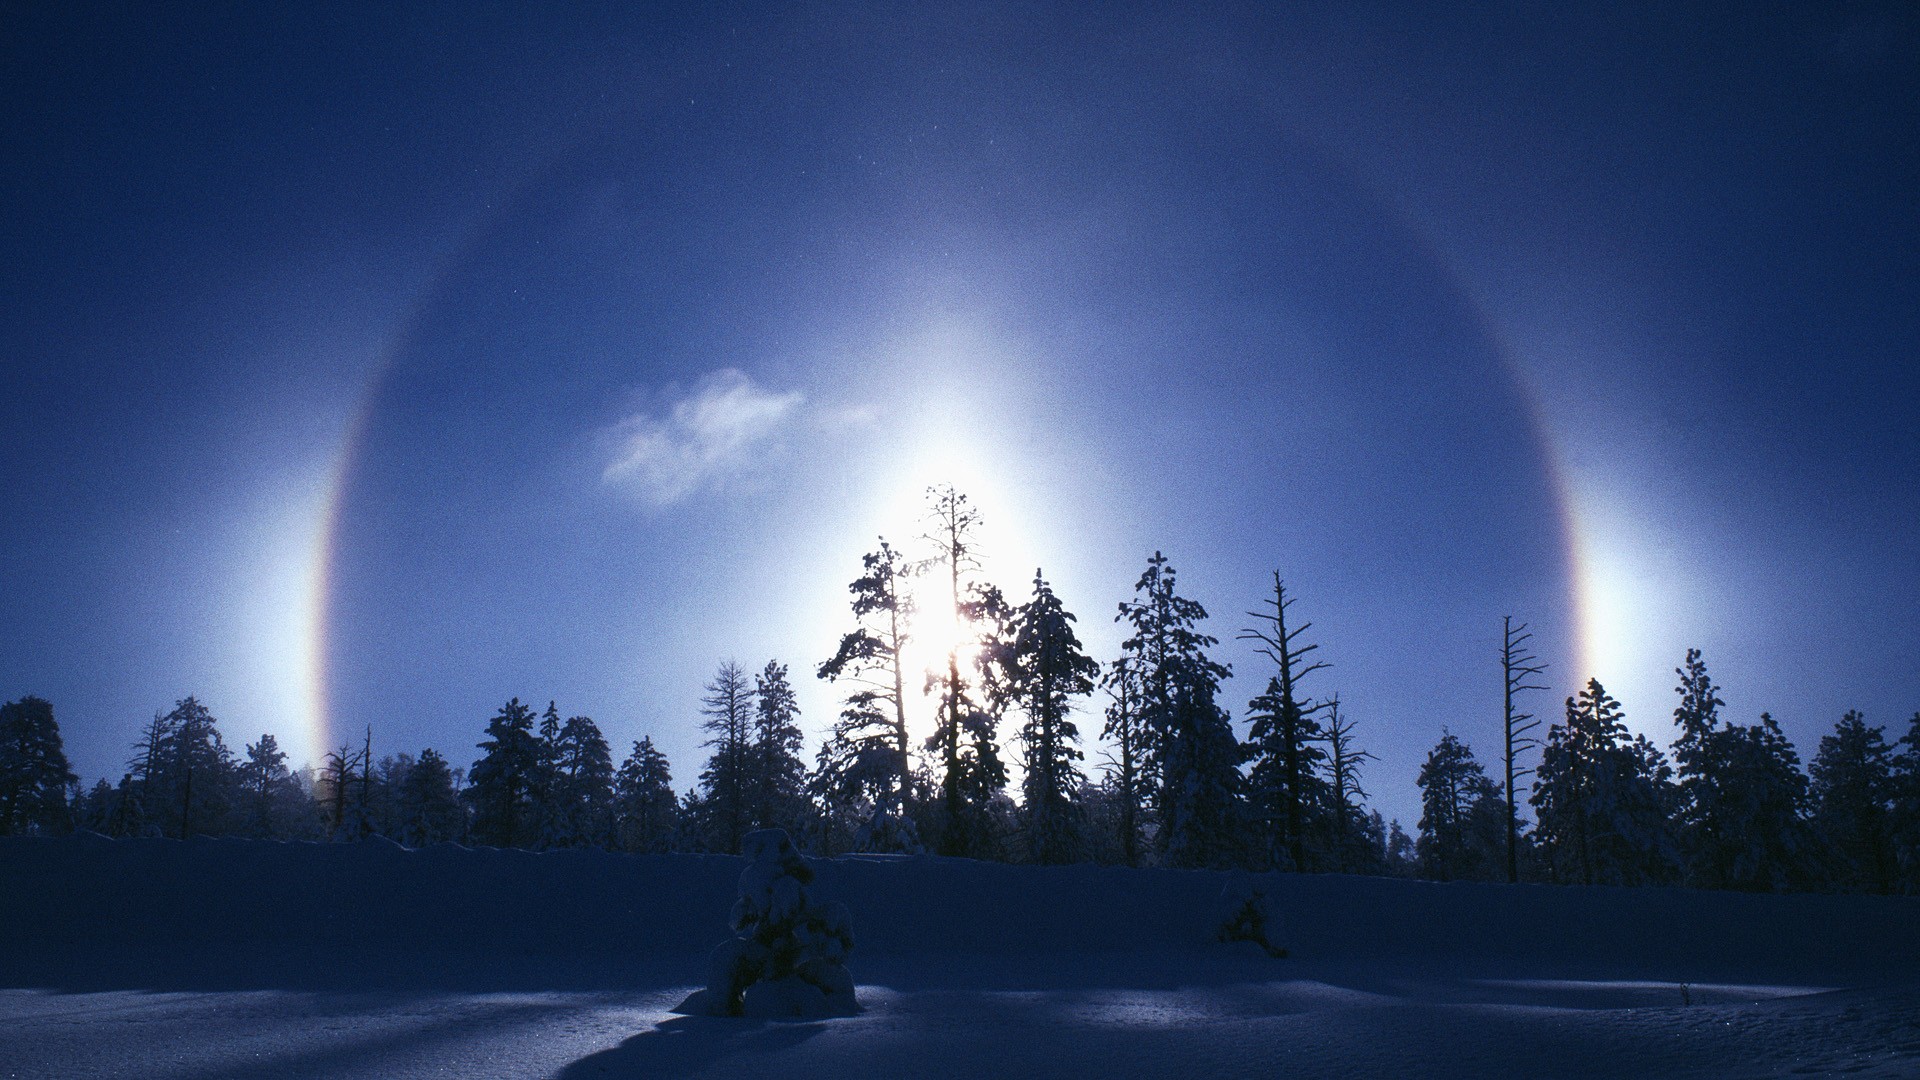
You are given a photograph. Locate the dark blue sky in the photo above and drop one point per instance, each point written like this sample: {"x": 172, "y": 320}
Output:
{"x": 373, "y": 367}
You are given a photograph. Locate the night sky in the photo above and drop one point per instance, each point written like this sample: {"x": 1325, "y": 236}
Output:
{"x": 363, "y": 366}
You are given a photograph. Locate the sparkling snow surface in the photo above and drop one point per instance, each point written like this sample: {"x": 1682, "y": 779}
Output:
{"x": 217, "y": 959}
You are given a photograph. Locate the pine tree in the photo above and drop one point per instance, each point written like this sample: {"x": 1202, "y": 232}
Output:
{"x": 1461, "y": 820}
{"x": 430, "y": 812}
{"x": 500, "y": 786}
{"x": 34, "y": 776}
{"x": 866, "y": 756}
{"x": 646, "y": 810}
{"x": 1047, "y": 672}
{"x": 727, "y": 782}
{"x": 1852, "y": 789}
{"x": 1518, "y": 667}
{"x": 1601, "y": 799}
{"x": 1287, "y": 792}
{"x": 1198, "y": 757}
{"x": 779, "y": 776}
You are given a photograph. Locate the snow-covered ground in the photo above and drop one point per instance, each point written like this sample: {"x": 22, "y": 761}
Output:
{"x": 236, "y": 959}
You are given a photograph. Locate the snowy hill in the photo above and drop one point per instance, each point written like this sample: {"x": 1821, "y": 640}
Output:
{"x": 246, "y": 938}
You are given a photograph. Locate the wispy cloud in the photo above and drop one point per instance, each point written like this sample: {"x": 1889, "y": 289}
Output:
{"x": 704, "y": 439}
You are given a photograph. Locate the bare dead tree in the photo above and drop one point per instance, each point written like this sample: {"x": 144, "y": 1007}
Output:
{"x": 1518, "y": 665}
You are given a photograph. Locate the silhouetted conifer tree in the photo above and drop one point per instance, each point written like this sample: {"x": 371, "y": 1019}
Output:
{"x": 1287, "y": 793}
{"x": 1130, "y": 761}
{"x": 1906, "y": 808}
{"x": 866, "y": 756}
{"x": 1047, "y": 672}
{"x": 779, "y": 776}
{"x": 1852, "y": 789}
{"x": 1601, "y": 798}
{"x": 727, "y": 782}
{"x": 646, "y": 809}
{"x": 1463, "y": 819}
{"x": 35, "y": 779}
{"x": 193, "y": 790}
{"x": 500, "y": 787}
{"x": 582, "y": 787}
{"x": 430, "y": 811}
{"x": 1348, "y": 824}
{"x": 1199, "y": 782}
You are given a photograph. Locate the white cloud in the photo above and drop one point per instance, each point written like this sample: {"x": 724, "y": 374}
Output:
{"x": 707, "y": 437}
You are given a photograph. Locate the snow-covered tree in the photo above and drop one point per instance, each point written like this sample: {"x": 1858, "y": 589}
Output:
{"x": 275, "y": 806}
{"x": 1047, "y": 672}
{"x": 779, "y": 776}
{"x": 1287, "y": 793}
{"x": 646, "y": 810}
{"x": 1601, "y": 798}
{"x": 1462, "y": 819}
{"x": 35, "y": 780}
{"x": 191, "y": 783}
{"x": 787, "y": 956}
{"x": 430, "y": 810}
{"x": 1199, "y": 779}
{"x": 501, "y": 785}
{"x": 1852, "y": 791}
{"x": 581, "y": 787}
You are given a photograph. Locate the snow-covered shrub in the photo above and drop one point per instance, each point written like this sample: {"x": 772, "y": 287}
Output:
{"x": 786, "y": 957}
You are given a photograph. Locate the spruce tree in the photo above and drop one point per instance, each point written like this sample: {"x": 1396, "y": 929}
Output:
{"x": 1852, "y": 791}
{"x": 727, "y": 783}
{"x": 34, "y": 776}
{"x": 1198, "y": 757}
{"x": 501, "y": 784}
{"x": 1287, "y": 793}
{"x": 1047, "y": 672}
{"x": 646, "y": 810}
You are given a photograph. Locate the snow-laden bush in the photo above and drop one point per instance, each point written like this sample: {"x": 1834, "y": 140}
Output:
{"x": 786, "y": 957}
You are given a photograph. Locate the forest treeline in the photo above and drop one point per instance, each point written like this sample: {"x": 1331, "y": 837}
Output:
{"x": 1726, "y": 805}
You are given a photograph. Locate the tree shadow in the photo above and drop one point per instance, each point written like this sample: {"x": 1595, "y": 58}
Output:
{"x": 684, "y": 1045}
